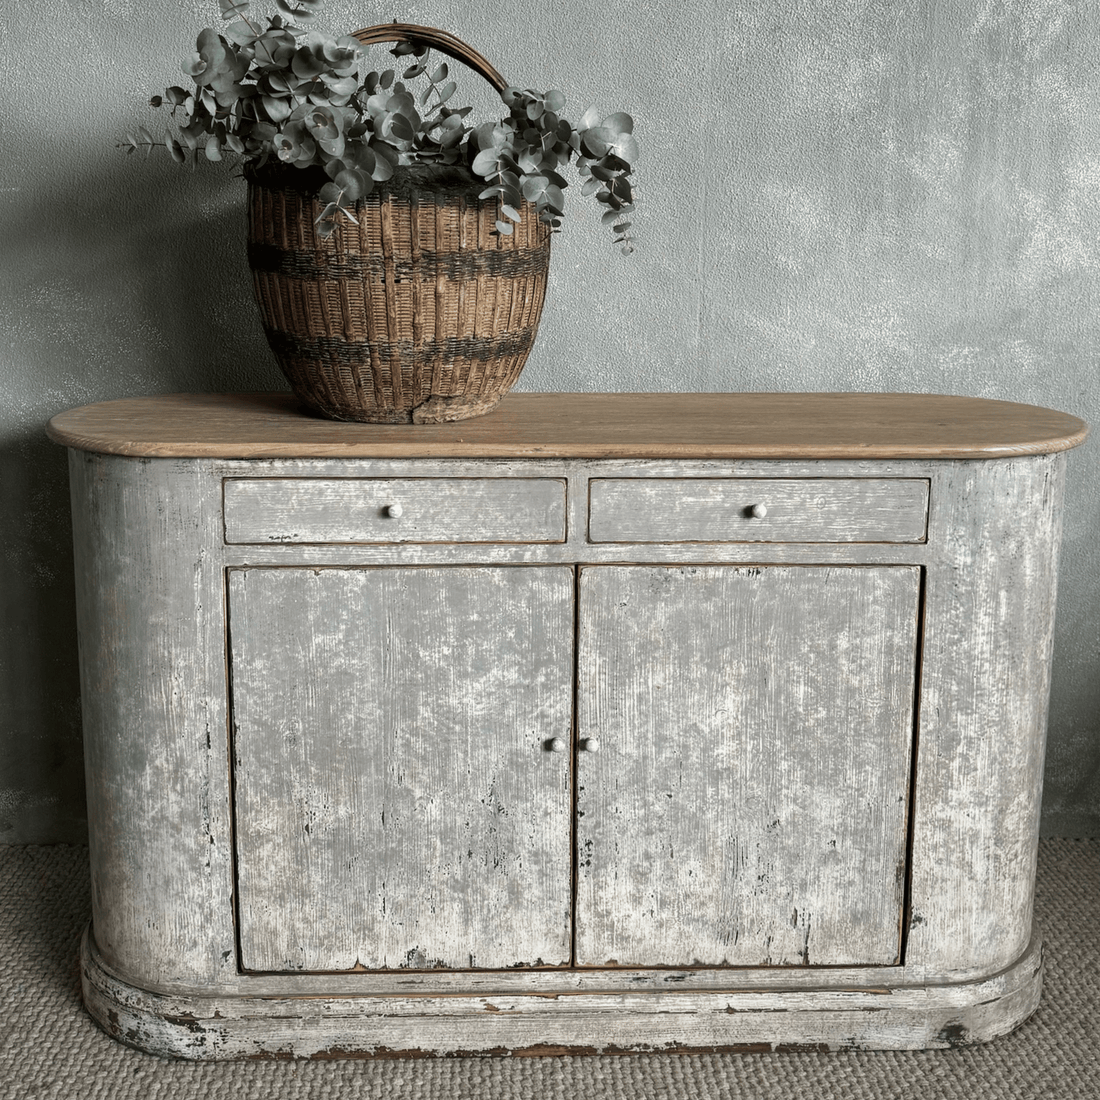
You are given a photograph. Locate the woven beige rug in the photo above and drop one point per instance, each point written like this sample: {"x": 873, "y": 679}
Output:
{"x": 50, "y": 1048}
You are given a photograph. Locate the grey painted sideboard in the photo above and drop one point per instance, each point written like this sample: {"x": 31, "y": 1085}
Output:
{"x": 599, "y": 723}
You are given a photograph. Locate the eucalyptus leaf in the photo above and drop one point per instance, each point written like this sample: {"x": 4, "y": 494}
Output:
{"x": 621, "y": 188}
{"x": 509, "y": 212}
{"x": 533, "y": 187}
{"x": 590, "y": 118}
{"x": 450, "y": 139}
{"x": 353, "y": 184}
{"x": 597, "y": 141}
{"x": 233, "y": 9}
{"x": 241, "y": 32}
{"x": 398, "y": 126}
{"x": 194, "y": 66}
{"x": 626, "y": 148}
{"x": 340, "y": 85}
{"x": 383, "y": 165}
{"x": 363, "y": 157}
{"x": 304, "y": 12}
{"x": 619, "y": 123}
{"x": 485, "y": 163}
{"x": 504, "y": 227}
{"x": 552, "y": 195}
{"x": 277, "y": 110}
{"x": 530, "y": 162}
{"x": 306, "y": 64}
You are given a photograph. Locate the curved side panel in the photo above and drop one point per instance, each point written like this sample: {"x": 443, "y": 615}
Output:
{"x": 151, "y": 618}
{"x": 989, "y": 628}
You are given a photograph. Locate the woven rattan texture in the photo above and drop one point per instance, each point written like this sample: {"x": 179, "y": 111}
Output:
{"x": 49, "y": 1047}
{"x": 419, "y": 312}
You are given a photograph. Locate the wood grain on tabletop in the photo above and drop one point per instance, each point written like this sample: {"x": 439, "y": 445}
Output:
{"x": 587, "y": 425}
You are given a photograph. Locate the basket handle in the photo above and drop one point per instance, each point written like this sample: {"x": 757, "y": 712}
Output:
{"x": 443, "y": 41}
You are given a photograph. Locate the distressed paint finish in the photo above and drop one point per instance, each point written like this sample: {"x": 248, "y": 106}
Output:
{"x": 152, "y": 678}
{"x": 758, "y": 510}
{"x": 778, "y": 1018}
{"x": 397, "y": 801}
{"x": 389, "y": 510}
{"x": 985, "y": 687}
{"x": 156, "y": 577}
{"x": 747, "y": 805}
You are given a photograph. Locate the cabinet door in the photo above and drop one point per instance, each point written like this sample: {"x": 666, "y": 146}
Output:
{"x": 747, "y": 804}
{"x": 397, "y": 803}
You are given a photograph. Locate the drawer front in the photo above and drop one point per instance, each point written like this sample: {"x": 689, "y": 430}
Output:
{"x": 758, "y": 510}
{"x": 394, "y": 510}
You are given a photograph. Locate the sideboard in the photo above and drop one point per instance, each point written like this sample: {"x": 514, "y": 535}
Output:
{"x": 600, "y": 723}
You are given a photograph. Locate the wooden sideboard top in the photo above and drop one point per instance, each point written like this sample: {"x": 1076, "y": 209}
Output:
{"x": 582, "y": 425}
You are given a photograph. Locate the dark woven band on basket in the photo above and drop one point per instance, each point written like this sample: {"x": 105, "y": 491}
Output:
{"x": 427, "y": 267}
{"x": 336, "y": 352}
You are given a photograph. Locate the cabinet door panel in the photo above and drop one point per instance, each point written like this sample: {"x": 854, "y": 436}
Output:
{"x": 396, "y": 803}
{"x": 748, "y": 802}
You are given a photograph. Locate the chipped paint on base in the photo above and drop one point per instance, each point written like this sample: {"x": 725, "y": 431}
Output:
{"x": 776, "y": 1020}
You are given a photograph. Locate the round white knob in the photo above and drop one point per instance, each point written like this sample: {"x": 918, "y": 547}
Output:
{"x": 557, "y": 745}
{"x": 394, "y": 510}
{"x": 591, "y": 744}
{"x": 758, "y": 511}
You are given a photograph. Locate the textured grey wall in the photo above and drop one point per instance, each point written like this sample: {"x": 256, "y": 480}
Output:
{"x": 834, "y": 195}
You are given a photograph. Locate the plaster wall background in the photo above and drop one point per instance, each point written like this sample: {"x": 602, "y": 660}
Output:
{"x": 833, "y": 195}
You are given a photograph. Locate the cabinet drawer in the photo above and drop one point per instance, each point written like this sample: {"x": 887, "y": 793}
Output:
{"x": 758, "y": 510}
{"x": 394, "y": 510}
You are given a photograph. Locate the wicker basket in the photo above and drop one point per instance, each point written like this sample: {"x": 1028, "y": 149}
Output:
{"x": 422, "y": 313}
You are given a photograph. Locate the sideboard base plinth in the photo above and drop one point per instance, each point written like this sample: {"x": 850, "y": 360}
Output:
{"x": 222, "y": 1027}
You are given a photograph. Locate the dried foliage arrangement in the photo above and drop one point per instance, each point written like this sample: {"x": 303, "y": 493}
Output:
{"x": 281, "y": 91}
